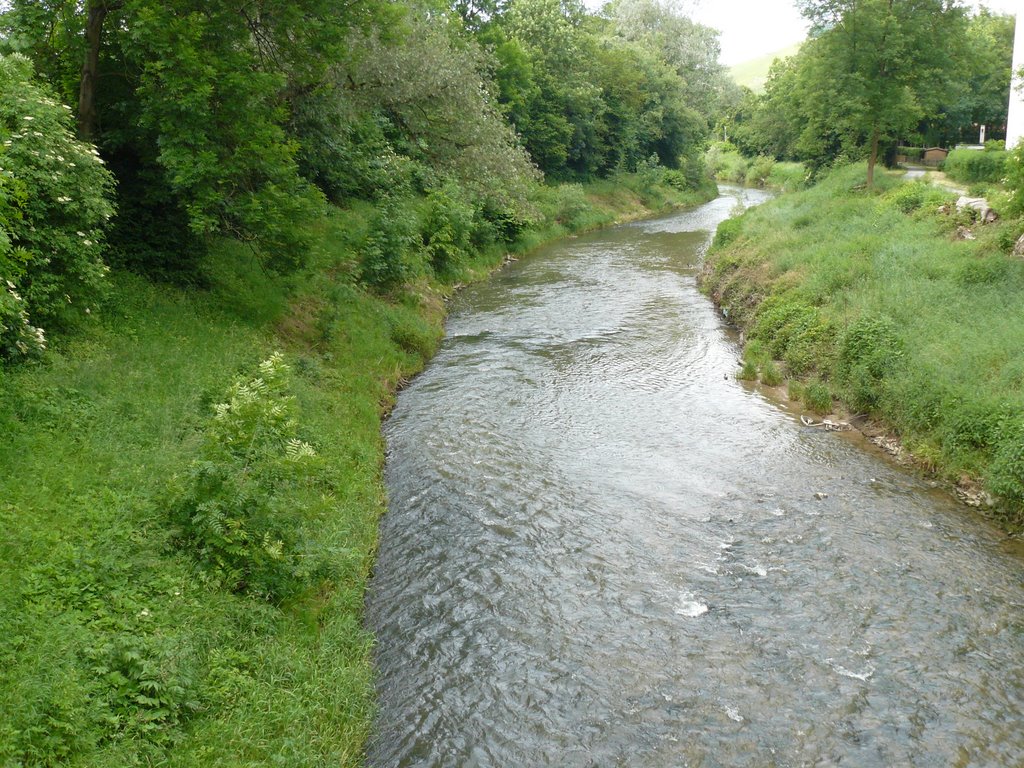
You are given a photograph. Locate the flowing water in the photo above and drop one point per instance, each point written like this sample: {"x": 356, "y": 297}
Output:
{"x": 602, "y": 550}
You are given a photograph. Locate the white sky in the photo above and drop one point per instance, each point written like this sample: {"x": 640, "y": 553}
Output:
{"x": 753, "y": 28}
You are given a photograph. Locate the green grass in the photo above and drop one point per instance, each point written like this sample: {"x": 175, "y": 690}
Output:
{"x": 117, "y": 645}
{"x": 870, "y": 295}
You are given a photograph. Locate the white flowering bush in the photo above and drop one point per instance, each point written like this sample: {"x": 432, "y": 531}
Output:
{"x": 239, "y": 513}
{"x": 55, "y": 202}
{"x": 18, "y": 338}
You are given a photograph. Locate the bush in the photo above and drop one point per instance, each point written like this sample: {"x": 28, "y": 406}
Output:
{"x": 727, "y": 232}
{"x": 1006, "y": 473}
{"x": 817, "y": 397}
{"x": 789, "y": 177}
{"x": 18, "y": 338}
{"x": 970, "y": 165}
{"x": 759, "y": 171}
{"x": 912, "y": 196}
{"x": 869, "y": 350}
{"x": 388, "y": 256}
{"x": 770, "y": 374}
{"x": 794, "y": 332}
{"x": 54, "y": 207}
{"x": 911, "y": 153}
{"x": 237, "y": 515}
{"x": 447, "y": 229}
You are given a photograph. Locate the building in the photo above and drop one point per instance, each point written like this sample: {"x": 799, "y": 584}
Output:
{"x": 933, "y": 155}
{"x": 1015, "y": 116}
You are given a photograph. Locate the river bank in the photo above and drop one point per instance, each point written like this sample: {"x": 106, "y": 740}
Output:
{"x": 874, "y": 302}
{"x": 118, "y": 649}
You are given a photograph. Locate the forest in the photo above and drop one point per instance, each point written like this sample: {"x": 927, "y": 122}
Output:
{"x": 228, "y": 233}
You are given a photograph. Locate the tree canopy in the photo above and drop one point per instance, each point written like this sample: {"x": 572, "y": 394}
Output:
{"x": 875, "y": 73}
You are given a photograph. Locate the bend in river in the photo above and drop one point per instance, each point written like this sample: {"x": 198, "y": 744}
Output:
{"x": 601, "y": 549}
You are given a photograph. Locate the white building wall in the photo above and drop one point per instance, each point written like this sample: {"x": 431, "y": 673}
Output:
{"x": 1015, "y": 117}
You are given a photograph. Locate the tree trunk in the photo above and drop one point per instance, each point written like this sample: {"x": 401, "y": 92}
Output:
{"x": 97, "y": 13}
{"x": 873, "y": 158}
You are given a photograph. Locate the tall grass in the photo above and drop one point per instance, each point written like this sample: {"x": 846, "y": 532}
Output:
{"x": 873, "y": 293}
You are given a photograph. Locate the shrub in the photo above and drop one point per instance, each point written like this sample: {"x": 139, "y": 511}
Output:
{"x": 970, "y": 165}
{"x": 759, "y": 171}
{"x": 817, "y": 397}
{"x": 869, "y": 350}
{"x": 747, "y": 372}
{"x": 770, "y": 374}
{"x": 54, "y": 207}
{"x": 908, "y": 198}
{"x": 793, "y": 330}
{"x": 237, "y": 514}
{"x": 727, "y": 232}
{"x": 18, "y": 338}
{"x": 447, "y": 229}
{"x": 789, "y": 177}
{"x": 388, "y": 255}
{"x": 1006, "y": 473}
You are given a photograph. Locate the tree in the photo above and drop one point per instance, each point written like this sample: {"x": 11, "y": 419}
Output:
{"x": 874, "y": 68}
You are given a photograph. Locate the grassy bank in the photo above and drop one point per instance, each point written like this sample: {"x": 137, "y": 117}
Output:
{"x": 130, "y": 633}
{"x": 872, "y": 299}
{"x": 726, "y": 164}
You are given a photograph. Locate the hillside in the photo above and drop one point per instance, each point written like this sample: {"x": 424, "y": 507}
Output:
{"x": 754, "y": 73}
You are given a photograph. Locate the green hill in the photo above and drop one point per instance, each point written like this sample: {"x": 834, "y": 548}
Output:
{"x": 754, "y": 73}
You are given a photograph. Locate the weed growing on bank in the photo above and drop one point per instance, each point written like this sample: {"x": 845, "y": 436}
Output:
{"x": 876, "y": 299}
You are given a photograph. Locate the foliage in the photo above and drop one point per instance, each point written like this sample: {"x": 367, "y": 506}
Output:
{"x": 875, "y": 73}
{"x": 874, "y": 67}
{"x": 760, "y": 171}
{"x": 978, "y": 93}
{"x": 429, "y": 91}
{"x": 221, "y": 141}
{"x": 869, "y": 350}
{"x": 817, "y": 397}
{"x": 447, "y": 230}
{"x": 870, "y": 296}
{"x": 388, "y": 255}
{"x": 916, "y": 195}
{"x": 970, "y": 166}
{"x": 235, "y": 514}
{"x": 54, "y": 207}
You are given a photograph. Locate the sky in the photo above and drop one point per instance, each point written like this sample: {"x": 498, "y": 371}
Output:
{"x": 753, "y": 28}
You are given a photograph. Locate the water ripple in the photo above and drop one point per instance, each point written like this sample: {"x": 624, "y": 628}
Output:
{"x": 603, "y": 550}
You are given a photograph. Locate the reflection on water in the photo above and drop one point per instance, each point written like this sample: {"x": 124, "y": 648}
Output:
{"x": 603, "y": 550}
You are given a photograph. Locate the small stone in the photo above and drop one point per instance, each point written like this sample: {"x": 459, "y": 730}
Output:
{"x": 819, "y": 495}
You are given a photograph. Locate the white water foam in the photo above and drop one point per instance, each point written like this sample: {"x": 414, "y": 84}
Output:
{"x": 690, "y": 607}
{"x": 840, "y": 669}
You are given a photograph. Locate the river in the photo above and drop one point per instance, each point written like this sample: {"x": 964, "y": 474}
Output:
{"x": 601, "y": 549}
